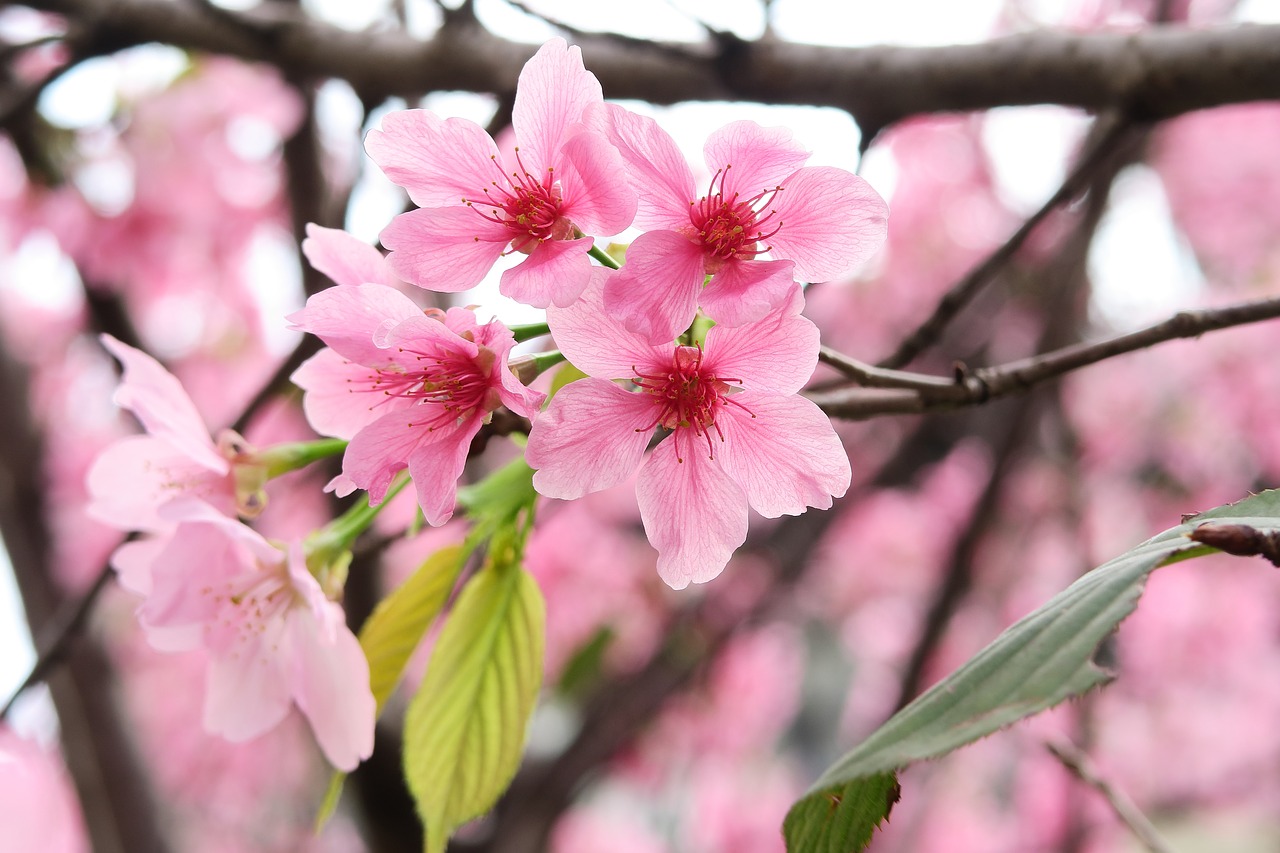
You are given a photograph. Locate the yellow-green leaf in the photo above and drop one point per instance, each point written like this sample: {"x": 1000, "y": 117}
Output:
{"x": 465, "y": 729}
{"x": 400, "y": 620}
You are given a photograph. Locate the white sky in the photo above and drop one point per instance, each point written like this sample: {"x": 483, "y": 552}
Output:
{"x": 1140, "y": 269}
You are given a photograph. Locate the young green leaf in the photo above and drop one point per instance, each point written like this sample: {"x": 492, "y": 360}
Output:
{"x": 393, "y": 631}
{"x": 1040, "y": 661}
{"x": 465, "y": 729}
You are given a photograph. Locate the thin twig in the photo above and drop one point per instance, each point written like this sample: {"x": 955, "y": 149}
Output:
{"x": 1085, "y": 770}
{"x": 915, "y": 393}
{"x": 963, "y": 291}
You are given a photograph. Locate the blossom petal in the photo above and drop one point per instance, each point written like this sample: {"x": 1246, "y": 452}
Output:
{"x": 754, "y": 158}
{"x": 830, "y": 221}
{"x": 158, "y": 400}
{"x": 594, "y": 340}
{"x": 246, "y": 693}
{"x": 745, "y": 291}
{"x": 348, "y": 318}
{"x": 330, "y": 683}
{"x": 554, "y": 274}
{"x": 382, "y": 449}
{"x": 778, "y": 353}
{"x": 438, "y": 161}
{"x": 787, "y": 457}
{"x": 447, "y": 249}
{"x": 344, "y": 258}
{"x": 133, "y": 477}
{"x": 594, "y": 198}
{"x": 553, "y": 92}
{"x": 435, "y": 467}
{"x": 655, "y": 294}
{"x": 655, "y": 167}
{"x": 592, "y": 436}
{"x": 342, "y": 396}
{"x": 694, "y": 514}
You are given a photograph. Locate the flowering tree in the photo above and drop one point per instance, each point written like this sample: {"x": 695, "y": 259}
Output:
{"x": 679, "y": 559}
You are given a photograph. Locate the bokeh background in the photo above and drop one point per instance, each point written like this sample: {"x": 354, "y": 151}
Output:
{"x": 158, "y": 193}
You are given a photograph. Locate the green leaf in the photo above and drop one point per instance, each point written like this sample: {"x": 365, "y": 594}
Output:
{"x": 566, "y": 374}
{"x": 465, "y": 729}
{"x": 400, "y": 620}
{"x": 1035, "y": 664}
{"x": 393, "y": 631}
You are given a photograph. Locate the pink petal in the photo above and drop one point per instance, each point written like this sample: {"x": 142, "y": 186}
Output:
{"x": 591, "y": 437}
{"x": 247, "y": 693}
{"x": 329, "y": 680}
{"x": 745, "y": 291}
{"x": 787, "y": 457}
{"x": 755, "y": 158}
{"x": 594, "y": 198}
{"x": 515, "y": 395}
{"x": 655, "y": 294}
{"x": 348, "y": 319}
{"x": 133, "y": 561}
{"x": 341, "y": 396}
{"x": 448, "y": 249}
{"x": 381, "y": 449}
{"x": 554, "y": 274}
{"x": 830, "y": 221}
{"x": 778, "y": 353}
{"x": 595, "y": 341}
{"x": 439, "y": 161}
{"x": 133, "y": 477}
{"x": 435, "y": 467}
{"x": 158, "y": 400}
{"x": 553, "y": 92}
{"x": 655, "y": 167}
{"x": 344, "y": 258}
{"x": 694, "y": 514}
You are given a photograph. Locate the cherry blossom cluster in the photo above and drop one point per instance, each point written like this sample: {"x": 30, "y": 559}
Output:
{"x": 411, "y": 389}
{"x": 693, "y": 353}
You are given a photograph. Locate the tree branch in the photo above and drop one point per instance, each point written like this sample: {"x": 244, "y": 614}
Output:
{"x": 1083, "y": 769}
{"x": 962, "y": 293}
{"x": 903, "y": 392}
{"x": 1157, "y": 73}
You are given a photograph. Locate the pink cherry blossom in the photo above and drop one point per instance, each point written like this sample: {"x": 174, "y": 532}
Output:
{"x": 815, "y": 223}
{"x": 475, "y": 205}
{"x": 272, "y": 638}
{"x": 135, "y": 476}
{"x": 739, "y": 433}
{"x": 408, "y": 388}
{"x": 38, "y": 807}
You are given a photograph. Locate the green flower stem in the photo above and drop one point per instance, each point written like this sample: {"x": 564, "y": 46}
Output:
{"x": 339, "y": 534}
{"x": 283, "y": 458}
{"x": 547, "y": 360}
{"x": 604, "y": 258}
{"x": 529, "y": 331}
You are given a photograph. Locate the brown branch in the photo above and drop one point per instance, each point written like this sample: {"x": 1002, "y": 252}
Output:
{"x": 963, "y": 292}
{"x": 1161, "y": 72}
{"x": 927, "y": 393}
{"x": 1084, "y": 770}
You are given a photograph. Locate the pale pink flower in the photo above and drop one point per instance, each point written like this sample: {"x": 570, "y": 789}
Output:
{"x": 135, "y": 476}
{"x": 38, "y": 807}
{"x": 740, "y": 434}
{"x": 474, "y": 204}
{"x": 816, "y": 223}
{"x": 408, "y": 388}
{"x": 272, "y": 638}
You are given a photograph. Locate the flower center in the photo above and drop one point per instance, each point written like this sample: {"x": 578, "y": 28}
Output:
{"x": 687, "y": 397}
{"x": 732, "y": 228}
{"x": 529, "y": 207}
{"x": 453, "y": 386}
